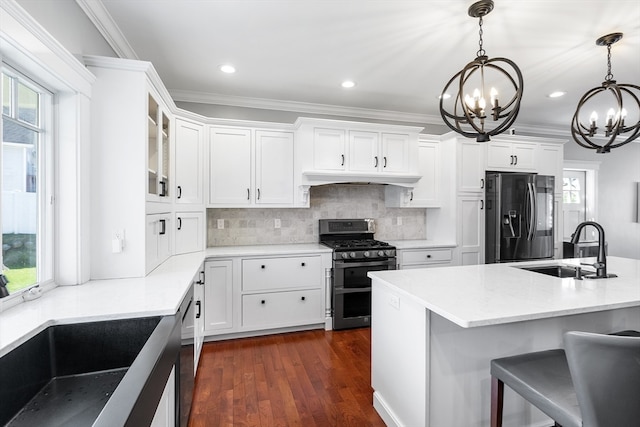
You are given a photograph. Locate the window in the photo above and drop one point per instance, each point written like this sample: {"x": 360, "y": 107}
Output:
{"x": 571, "y": 190}
{"x": 26, "y": 183}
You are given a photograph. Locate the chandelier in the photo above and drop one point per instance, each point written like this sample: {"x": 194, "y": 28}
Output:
{"x": 614, "y": 123}
{"x": 471, "y": 115}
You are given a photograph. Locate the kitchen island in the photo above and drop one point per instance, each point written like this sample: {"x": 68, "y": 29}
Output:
{"x": 434, "y": 332}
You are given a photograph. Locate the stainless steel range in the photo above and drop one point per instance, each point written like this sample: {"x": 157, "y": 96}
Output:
{"x": 355, "y": 253}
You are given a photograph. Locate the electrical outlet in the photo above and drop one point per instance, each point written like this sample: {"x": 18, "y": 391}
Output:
{"x": 220, "y": 224}
{"x": 276, "y": 223}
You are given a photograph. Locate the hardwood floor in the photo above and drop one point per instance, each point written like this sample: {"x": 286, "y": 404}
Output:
{"x": 313, "y": 378}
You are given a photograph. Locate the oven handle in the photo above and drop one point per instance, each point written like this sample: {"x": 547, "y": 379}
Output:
{"x": 342, "y": 290}
{"x": 347, "y": 264}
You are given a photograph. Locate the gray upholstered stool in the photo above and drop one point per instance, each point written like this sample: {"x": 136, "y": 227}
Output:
{"x": 605, "y": 370}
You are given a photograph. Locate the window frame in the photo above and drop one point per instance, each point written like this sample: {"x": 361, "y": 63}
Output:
{"x": 45, "y": 181}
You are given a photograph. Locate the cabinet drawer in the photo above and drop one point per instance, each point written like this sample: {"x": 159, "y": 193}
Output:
{"x": 282, "y": 308}
{"x": 281, "y": 273}
{"x": 425, "y": 256}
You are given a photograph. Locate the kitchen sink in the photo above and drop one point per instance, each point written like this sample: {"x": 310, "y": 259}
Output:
{"x": 104, "y": 373}
{"x": 556, "y": 270}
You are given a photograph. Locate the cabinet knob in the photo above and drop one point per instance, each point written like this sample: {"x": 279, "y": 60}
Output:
{"x": 263, "y": 266}
{"x": 302, "y": 264}
{"x": 303, "y": 298}
{"x": 263, "y": 302}
{"x": 429, "y": 256}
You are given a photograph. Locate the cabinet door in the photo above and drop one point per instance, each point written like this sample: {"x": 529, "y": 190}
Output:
{"x": 525, "y": 156}
{"x": 165, "y": 415}
{"x": 471, "y": 167}
{"x": 499, "y": 156}
{"x": 189, "y": 162}
{"x": 158, "y": 151}
{"x": 395, "y": 153}
{"x": 198, "y": 332}
{"x": 274, "y": 168}
{"x": 329, "y": 149}
{"x": 549, "y": 162}
{"x": 190, "y": 231}
{"x": 363, "y": 152}
{"x": 268, "y": 309}
{"x": 230, "y": 167}
{"x": 218, "y": 295}
{"x": 425, "y": 193}
{"x": 157, "y": 240}
{"x": 471, "y": 230}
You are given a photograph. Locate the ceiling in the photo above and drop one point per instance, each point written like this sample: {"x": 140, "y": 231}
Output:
{"x": 293, "y": 54}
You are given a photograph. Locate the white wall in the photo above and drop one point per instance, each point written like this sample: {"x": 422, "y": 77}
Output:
{"x": 617, "y": 203}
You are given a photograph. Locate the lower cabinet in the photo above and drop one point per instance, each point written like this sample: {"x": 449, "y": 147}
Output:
{"x": 422, "y": 258}
{"x": 470, "y": 230}
{"x": 166, "y": 411}
{"x": 189, "y": 232}
{"x": 250, "y": 294}
{"x": 158, "y": 239}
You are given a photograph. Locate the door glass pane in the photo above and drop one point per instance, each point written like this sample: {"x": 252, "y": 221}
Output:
{"x": 27, "y": 105}
{"x": 6, "y": 95}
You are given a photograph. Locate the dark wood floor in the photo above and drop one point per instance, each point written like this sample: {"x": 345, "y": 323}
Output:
{"x": 315, "y": 378}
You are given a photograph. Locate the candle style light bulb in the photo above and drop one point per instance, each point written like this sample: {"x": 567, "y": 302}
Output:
{"x": 494, "y": 97}
{"x": 593, "y": 118}
{"x": 623, "y": 113}
{"x": 610, "y": 115}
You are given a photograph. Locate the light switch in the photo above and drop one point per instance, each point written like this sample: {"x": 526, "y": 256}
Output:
{"x": 220, "y": 224}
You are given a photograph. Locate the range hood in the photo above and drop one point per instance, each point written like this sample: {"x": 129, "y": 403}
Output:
{"x": 312, "y": 178}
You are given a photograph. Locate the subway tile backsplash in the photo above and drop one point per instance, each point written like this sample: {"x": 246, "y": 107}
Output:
{"x": 257, "y": 226}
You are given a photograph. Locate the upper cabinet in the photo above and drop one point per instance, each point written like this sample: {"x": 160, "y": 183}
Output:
{"x": 511, "y": 156}
{"x": 334, "y": 151}
{"x": 131, "y": 183}
{"x": 189, "y": 162}
{"x": 250, "y": 168}
{"x": 158, "y": 151}
{"x": 426, "y": 193}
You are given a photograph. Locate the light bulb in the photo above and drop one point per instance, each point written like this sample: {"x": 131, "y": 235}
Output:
{"x": 593, "y": 118}
{"x": 494, "y": 97}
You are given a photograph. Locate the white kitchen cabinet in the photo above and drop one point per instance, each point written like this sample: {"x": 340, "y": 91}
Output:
{"x": 189, "y": 232}
{"x": 511, "y": 156}
{"x": 158, "y": 240}
{"x": 254, "y": 294}
{"x": 470, "y": 166}
{"x": 426, "y": 193}
{"x": 550, "y": 159}
{"x": 131, "y": 128}
{"x": 250, "y": 168}
{"x": 364, "y": 155}
{"x": 189, "y": 162}
{"x": 395, "y": 153}
{"x": 423, "y": 258}
{"x": 470, "y": 231}
{"x": 218, "y": 296}
{"x": 198, "y": 324}
{"x": 165, "y": 415}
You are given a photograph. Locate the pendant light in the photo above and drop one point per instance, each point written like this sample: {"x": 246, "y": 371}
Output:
{"x": 616, "y": 114}
{"x": 488, "y": 109}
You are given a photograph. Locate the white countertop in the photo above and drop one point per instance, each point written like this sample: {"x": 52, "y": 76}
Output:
{"x": 421, "y": 244}
{"x": 158, "y": 294}
{"x": 481, "y": 295}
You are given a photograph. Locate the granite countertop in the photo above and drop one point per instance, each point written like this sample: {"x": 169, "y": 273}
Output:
{"x": 158, "y": 294}
{"x": 481, "y": 295}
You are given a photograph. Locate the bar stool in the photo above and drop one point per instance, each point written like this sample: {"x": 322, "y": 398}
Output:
{"x": 595, "y": 384}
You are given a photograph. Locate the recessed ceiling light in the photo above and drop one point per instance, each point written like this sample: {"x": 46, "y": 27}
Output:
{"x": 228, "y": 69}
{"x": 348, "y": 84}
{"x": 556, "y": 94}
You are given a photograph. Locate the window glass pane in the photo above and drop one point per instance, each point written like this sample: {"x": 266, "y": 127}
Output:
{"x": 20, "y": 198}
{"x": 6, "y": 95}
{"x": 27, "y": 105}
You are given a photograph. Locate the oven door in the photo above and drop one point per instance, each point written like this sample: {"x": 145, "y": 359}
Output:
{"x": 352, "y": 292}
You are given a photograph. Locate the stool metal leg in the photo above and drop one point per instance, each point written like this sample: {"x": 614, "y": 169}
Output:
{"x": 497, "y": 397}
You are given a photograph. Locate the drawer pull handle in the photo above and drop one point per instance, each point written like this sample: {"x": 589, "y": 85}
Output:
{"x": 302, "y": 298}
{"x": 302, "y": 264}
{"x": 263, "y": 302}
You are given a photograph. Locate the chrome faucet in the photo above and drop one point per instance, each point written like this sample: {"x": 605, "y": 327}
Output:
{"x": 601, "y": 262}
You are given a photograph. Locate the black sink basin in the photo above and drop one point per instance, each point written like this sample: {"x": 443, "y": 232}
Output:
{"x": 109, "y": 373}
{"x": 553, "y": 270}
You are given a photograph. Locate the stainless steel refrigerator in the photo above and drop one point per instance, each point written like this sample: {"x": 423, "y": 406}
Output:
{"x": 518, "y": 217}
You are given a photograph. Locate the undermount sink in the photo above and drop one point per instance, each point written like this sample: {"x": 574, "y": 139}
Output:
{"x": 95, "y": 373}
{"x": 556, "y": 270}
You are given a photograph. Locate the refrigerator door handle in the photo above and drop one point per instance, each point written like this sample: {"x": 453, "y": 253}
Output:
{"x": 532, "y": 211}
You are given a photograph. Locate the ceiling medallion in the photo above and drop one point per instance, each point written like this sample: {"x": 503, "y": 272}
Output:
{"x": 469, "y": 115}
{"x": 614, "y": 123}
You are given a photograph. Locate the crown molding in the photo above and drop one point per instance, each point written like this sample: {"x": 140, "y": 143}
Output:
{"x": 104, "y": 23}
{"x": 301, "y": 107}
